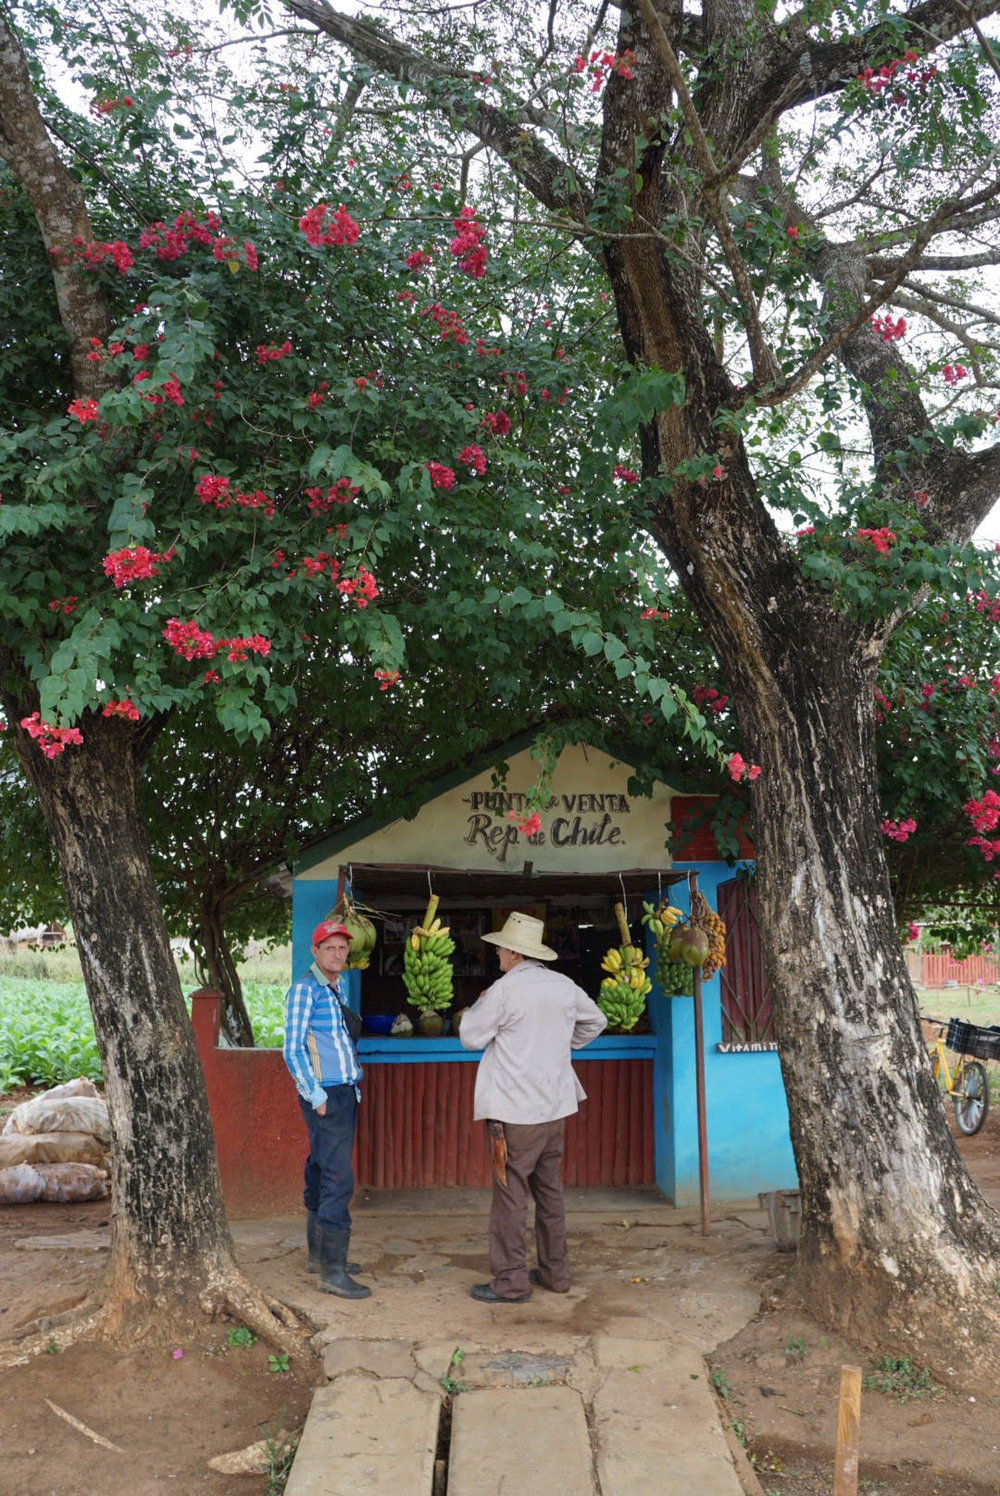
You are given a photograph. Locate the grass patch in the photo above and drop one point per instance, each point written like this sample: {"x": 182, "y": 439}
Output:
{"x": 46, "y": 1028}
{"x": 898, "y": 1377}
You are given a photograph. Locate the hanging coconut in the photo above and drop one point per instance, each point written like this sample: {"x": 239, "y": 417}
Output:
{"x": 360, "y": 929}
{"x": 688, "y": 943}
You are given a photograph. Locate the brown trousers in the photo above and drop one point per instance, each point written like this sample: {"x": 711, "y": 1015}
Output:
{"x": 534, "y": 1153}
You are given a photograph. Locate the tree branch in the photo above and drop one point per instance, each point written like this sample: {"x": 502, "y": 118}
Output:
{"x": 58, "y": 204}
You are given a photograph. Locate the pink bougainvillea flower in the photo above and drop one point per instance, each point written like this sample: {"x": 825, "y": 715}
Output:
{"x": 84, "y": 410}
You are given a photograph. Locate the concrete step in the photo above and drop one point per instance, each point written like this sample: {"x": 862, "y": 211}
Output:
{"x": 625, "y": 1417}
{"x": 367, "y": 1437}
{"x": 503, "y": 1439}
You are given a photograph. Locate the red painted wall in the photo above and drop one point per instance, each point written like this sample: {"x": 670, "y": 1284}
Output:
{"x": 414, "y": 1128}
{"x": 698, "y": 845}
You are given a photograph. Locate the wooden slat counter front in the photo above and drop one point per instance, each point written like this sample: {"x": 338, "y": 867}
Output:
{"x": 415, "y": 1129}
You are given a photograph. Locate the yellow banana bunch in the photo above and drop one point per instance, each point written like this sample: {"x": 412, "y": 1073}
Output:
{"x": 623, "y": 991}
{"x": 674, "y": 977}
{"x": 427, "y": 973}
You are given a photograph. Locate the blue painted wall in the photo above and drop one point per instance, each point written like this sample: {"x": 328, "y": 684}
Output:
{"x": 749, "y": 1147}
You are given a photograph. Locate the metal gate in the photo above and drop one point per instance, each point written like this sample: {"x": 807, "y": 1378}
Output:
{"x": 746, "y": 1003}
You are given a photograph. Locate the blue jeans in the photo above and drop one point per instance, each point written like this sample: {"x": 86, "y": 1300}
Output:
{"x": 329, "y": 1177}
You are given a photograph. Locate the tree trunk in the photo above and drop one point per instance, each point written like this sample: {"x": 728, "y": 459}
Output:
{"x": 897, "y": 1241}
{"x": 217, "y": 969}
{"x": 171, "y": 1250}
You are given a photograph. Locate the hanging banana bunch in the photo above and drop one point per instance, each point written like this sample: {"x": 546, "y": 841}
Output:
{"x": 426, "y": 965}
{"x": 624, "y": 990}
{"x": 676, "y": 978}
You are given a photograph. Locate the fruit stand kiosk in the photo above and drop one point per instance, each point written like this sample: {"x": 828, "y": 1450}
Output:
{"x": 592, "y": 864}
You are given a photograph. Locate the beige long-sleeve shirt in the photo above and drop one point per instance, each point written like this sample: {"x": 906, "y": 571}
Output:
{"x": 527, "y": 1023}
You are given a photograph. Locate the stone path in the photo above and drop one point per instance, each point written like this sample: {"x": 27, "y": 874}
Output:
{"x": 604, "y": 1391}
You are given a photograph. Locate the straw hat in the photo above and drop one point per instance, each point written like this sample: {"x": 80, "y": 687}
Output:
{"x": 523, "y": 934}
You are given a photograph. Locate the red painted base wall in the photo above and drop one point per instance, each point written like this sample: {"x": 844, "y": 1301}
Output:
{"x": 415, "y": 1128}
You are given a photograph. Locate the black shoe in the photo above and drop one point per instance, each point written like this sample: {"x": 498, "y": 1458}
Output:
{"x": 536, "y": 1278}
{"x": 485, "y": 1293}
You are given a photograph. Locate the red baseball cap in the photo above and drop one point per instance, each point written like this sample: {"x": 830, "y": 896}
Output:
{"x": 330, "y": 927}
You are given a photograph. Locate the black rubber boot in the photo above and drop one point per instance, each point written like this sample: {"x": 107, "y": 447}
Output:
{"x": 333, "y": 1274}
{"x": 312, "y": 1245}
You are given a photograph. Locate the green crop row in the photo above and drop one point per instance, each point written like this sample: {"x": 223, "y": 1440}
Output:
{"x": 47, "y": 1033}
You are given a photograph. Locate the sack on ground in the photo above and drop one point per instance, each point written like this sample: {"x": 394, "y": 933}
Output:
{"x": 61, "y": 1114}
{"x": 63, "y": 1183}
{"x": 52, "y": 1148}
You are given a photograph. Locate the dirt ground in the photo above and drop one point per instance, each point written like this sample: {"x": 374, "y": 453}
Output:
{"x": 169, "y": 1413}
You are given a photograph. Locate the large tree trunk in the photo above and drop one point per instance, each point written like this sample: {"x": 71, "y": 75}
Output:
{"x": 171, "y": 1251}
{"x": 896, "y": 1239}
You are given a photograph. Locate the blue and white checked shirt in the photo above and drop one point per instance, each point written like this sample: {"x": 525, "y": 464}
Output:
{"x": 318, "y": 1049}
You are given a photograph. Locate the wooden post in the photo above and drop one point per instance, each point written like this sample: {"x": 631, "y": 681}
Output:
{"x": 699, "y": 1081}
{"x": 845, "y": 1469}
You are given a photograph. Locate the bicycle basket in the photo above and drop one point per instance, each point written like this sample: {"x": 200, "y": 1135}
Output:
{"x": 970, "y": 1039}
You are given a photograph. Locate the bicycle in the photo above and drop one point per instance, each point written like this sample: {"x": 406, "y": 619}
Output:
{"x": 966, "y": 1082}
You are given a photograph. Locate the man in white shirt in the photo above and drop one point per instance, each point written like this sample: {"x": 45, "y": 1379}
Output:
{"x": 527, "y": 1023}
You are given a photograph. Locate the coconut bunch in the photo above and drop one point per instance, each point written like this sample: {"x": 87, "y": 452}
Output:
{"x": 359, "y": 927}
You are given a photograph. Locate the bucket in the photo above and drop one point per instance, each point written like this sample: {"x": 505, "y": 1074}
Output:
{"x": 784, "y": 1212}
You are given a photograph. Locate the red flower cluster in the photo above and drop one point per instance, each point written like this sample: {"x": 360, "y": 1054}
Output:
{"x": 496, "y": 422}
{"x": 883, "y": 706}
{"x": 530, "y": 825}
{"x": 239, "y": 649}
{"x": 710, "y": 699}
{"x": 94, "y": 254}
{"x": 63, "y": 605}
{"x": 134, "y": 564}
{"x": 879, "y": 82}
{"x": 386, "y": 678}
{"x": 468, "y": 246}
{"x": 189, "y": 641}
{"x": 270, "y": 352}
{"x": 646, "y": 612}
{"x": 515, "y": 380}
{"x": 441, "y": 477}
{"x": 314, "y": 566}
{"x": 603, "y": 63}
{"x": 318, "y": 395}
{"x": 362, "y": 587}
{"x": 227, "y": 251}
{"x": 418, "y": 259}
{"x": 84, "y": 410}
{"x": 108, "y": 106}
{"x": 337, "y": 228}
{"x": 990, "y": 606}
{"x": 953, "y": 373}
{"x": 881, "y": 539}
{"x": 169, "y": 390}
{"x": 212, "y": 489}
{"x": 124, "y": 708}
{"x": 899, "y": 831}
{"x": 474, "y": 458}
{"x": 172, "y": 243}
{"x": 342, "y": 492}
{"x": 624, "y": 474}
{"x": 51, "y": 740}
{"x": 888, "y": 330}
{"x": 738, "y": 769}
{"x": 448, "y": 323}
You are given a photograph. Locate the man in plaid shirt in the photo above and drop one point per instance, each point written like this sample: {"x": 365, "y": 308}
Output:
{"x": 323, "y": 1062}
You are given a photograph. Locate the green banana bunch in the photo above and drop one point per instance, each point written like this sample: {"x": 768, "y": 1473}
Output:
{"x": 427, "y": 972}
{"x": 675, "y": 978}
{"x": 623, "y": 992}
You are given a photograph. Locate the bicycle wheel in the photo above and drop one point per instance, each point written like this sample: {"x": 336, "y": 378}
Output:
{"x": 972, "y": 1102}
